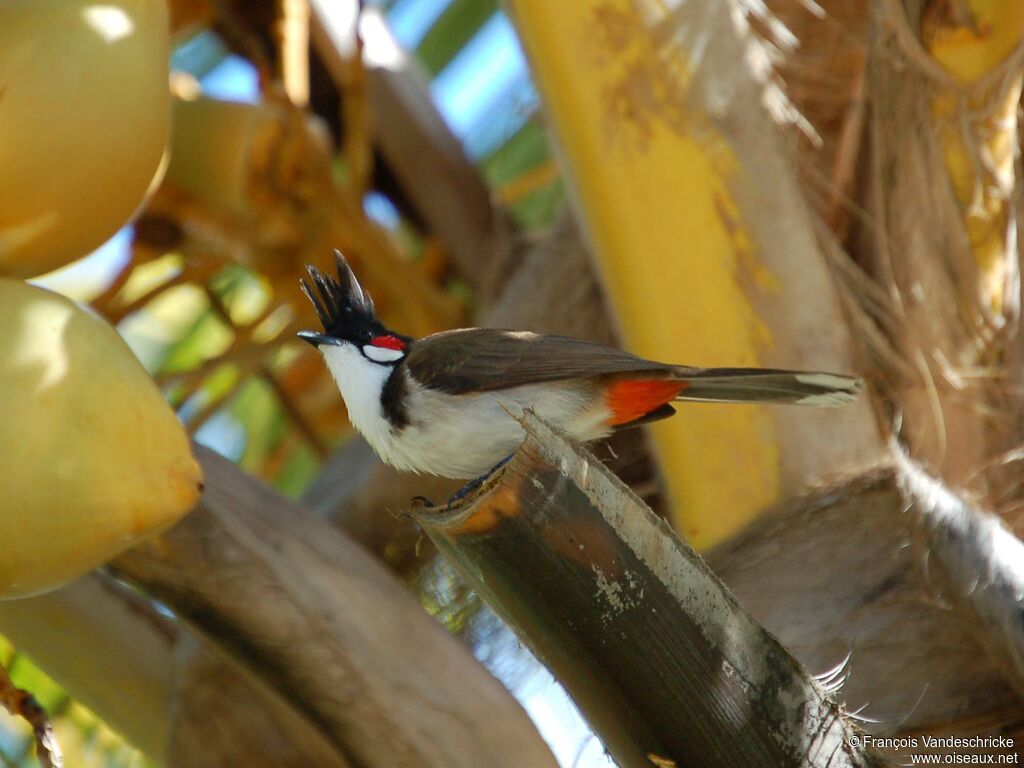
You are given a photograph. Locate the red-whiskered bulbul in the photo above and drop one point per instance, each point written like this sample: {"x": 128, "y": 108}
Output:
{"x": 448, "y": 404}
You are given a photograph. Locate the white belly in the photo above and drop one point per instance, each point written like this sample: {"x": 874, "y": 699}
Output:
{"x": 464, "y": 436}
{"x": 457, "y": 436}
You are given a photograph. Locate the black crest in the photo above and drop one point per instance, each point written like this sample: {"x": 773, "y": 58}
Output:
{"x": 339, "y": 302}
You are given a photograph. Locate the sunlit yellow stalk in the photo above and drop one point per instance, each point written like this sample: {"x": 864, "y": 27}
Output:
{"x": 668, "y": 238}
{"x": 977, "y": 119}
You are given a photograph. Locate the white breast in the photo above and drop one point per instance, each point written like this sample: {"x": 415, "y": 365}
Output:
{"x": 361, "y": 383}
{"x": 458, "y": 436}
{"x": 463, "y": 436}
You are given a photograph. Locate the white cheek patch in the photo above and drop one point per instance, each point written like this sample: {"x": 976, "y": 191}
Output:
{"x": 382, "y": 354}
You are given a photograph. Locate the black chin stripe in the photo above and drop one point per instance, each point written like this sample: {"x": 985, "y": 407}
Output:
{"x": 392, "y": 398}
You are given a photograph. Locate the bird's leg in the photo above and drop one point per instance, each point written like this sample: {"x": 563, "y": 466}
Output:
{"x": 499, "y": 465}
{"x": 465, "y": 490}
{"x": 476, "y": 482}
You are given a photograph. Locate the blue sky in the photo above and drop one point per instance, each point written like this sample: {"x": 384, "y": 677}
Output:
{"x": 484, "y": 93}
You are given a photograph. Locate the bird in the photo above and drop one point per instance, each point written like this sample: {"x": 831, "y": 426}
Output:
{"x": 450, "y": 404}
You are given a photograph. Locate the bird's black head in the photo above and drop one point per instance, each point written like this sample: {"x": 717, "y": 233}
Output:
{"x": 347, "y": 314}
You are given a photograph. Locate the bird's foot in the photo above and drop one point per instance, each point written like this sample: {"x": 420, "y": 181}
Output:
{"x": 499, "y": 465}
{"x": 465, "y": 490}
{"x": 476, "y": 482}
{"x": 420, "y": 502}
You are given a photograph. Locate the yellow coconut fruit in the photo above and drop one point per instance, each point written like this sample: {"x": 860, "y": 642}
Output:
{"x": 222, "y": 150}
{"x": 92, "y": 458}
{"x": 84, "y": 116}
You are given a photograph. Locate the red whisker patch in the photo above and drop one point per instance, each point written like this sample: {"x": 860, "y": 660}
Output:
{"x": 388, "y": 342}
{"x": 629, "y": 399}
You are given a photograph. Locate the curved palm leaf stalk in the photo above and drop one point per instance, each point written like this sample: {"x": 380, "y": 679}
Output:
{"x": 966, "y": 542}
{"x": 665, "y": 665}
{"x": 704, "y": 241}
{"x": 315, "y": 618}
{"x": 167, "y": 691}
{"x": 877, "y": 576}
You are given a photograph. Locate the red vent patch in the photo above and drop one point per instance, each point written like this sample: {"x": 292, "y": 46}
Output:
{"x": 630, "y": 399}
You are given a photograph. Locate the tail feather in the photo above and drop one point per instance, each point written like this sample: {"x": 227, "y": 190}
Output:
{"x": 760, "y": 385}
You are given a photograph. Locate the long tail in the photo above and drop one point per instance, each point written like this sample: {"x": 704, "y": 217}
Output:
{"x": 761, "y": 385}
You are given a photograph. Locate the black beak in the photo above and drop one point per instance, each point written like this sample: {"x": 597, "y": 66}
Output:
{"x": 316, "y": 339}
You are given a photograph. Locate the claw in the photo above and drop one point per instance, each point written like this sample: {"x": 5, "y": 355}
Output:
{"x": 476, "y": 482}
{"x": 465, "y": 490}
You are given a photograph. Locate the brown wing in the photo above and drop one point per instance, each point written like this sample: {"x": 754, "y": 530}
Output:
{"x": 481, "y": 359}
